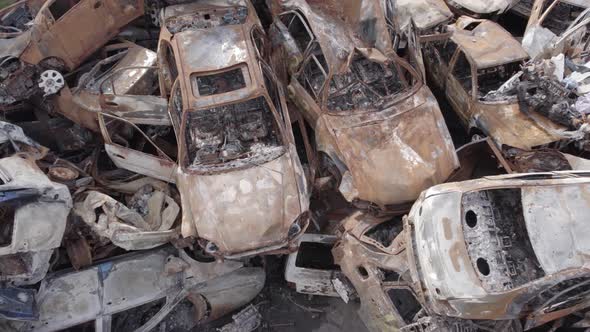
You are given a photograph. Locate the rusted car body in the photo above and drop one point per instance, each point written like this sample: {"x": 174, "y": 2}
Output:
{"x": 233, "y": 133}
{"x": 41, "y": 35}
{"x": 121, "y": 84}
{"x": 486, "y": 252}
{"x": 469, "y": 63}
{"x": 34, "y": 215}
{"x": 103, "y": 293}
{"x": 425, "y": 14}
{"x": 480, "y": 8}
{"x": 553, "y": 26}
{"x": 365, "y": 104}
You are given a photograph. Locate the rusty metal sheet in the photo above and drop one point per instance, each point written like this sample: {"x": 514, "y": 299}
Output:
{"x": 483, "y": 7}
{"x": 253, "y": 208}
{"x": 507, "y": 125}
{"x": 371, "y": 149}
{"x": 142, "y": 163}
{"x": 372, "y": 271}
{"x": 488, "y": 44}
{"x": 64, "y": 39}
{"x": 425, "y": 14}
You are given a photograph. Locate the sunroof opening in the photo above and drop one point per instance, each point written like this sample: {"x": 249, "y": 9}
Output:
{"x": 220, "y": 82}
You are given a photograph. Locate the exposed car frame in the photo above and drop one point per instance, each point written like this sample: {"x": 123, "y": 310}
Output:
{"x": 361, "y": 146}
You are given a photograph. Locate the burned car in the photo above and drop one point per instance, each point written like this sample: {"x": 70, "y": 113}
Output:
{"x": 154, "y": 284}
{"x": 232, "y": 128}
{"x": 551, "y": 24}
{"x": 491, "y": 253}
{"x": 481, "y": 8}
{"x": 122, "y": 83}
{"x": 471, "y": 63}
{"x": 34, "y": 215}
{"x": 41, "y": 40}
{"x": 377, "y": 128}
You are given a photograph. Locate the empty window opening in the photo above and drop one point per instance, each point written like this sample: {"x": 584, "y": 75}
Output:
{"x": 259, "y": 41}
{"x": 298, "y": 30}
{"x": 169, "y": 69}
{"x": 462, "y": 72}
{"x": 226, "y": 81}
{"x": 143, "y": 138}
{"x": 273, "y": 91}
{"x": 15, "y": 21}
{"x": 385, "y": 232}
{"x": 491, "y": 79}
{"x": 315, "y": 73}
{"x": 560, "y": 17}
{"x": 314, "y": 255}
{"x": 60, "y": 7}
{"x": 446, "y": 50}
{"x": 366, "y": 85}
{"x": 405, "y": 303}
{"x": 499, "y": 247}
{"x": 234, "y": 135}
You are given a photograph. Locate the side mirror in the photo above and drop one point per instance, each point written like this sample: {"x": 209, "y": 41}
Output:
{"x": 281, "y": 39}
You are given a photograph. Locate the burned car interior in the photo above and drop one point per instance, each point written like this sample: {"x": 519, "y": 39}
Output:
{"x": 294, "y": 165}
{"x": 242, "y": 133}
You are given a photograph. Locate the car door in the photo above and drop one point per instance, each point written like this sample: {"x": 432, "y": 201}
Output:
{"x": 459, "y": 85}
{"x": 130, "y": 148}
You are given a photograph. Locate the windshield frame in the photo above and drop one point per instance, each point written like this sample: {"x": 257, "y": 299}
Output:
{"x": 185, "y": 163}
{"x": 390, "y": 101}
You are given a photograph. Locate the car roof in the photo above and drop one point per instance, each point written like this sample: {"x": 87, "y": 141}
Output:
{"x": 212, "y": 49}
{"x": 488, "y": 44}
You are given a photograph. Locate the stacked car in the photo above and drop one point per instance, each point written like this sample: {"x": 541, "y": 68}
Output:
{"x": 425, "y": 161}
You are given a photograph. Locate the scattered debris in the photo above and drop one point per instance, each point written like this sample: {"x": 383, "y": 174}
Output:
{"x": 145, "y": 224}
{"x": 247, "y": 320}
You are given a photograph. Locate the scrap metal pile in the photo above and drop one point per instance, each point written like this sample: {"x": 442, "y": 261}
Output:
{"x": 154, "y": 154}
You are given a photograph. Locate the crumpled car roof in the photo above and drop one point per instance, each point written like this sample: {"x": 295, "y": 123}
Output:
{"x": 488, "y": 44}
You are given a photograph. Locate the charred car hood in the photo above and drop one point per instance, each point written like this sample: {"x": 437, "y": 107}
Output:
{"x": 241, "y": 210}
{"x": 394, "y": 154}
